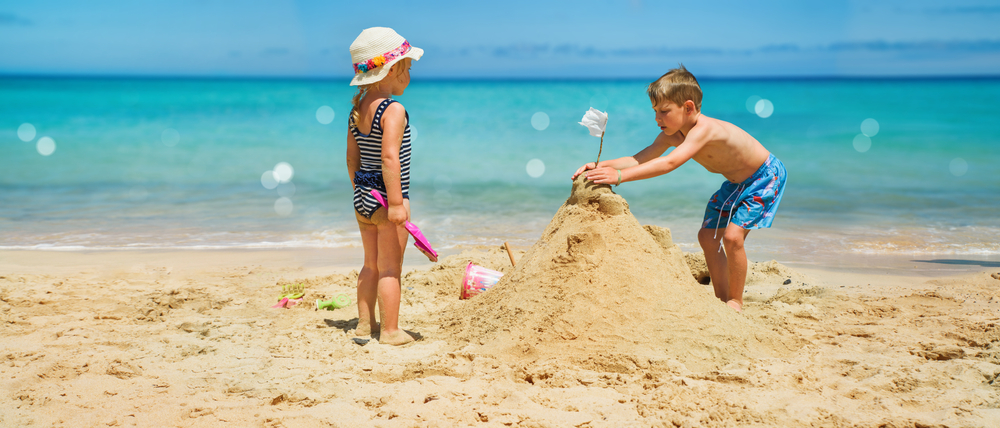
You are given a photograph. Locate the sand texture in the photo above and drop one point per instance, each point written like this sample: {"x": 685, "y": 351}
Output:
{"x": 601, "y": 291}
{"x": 600, "y": 324}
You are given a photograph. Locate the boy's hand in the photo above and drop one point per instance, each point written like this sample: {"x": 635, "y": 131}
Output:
{"x": 603, "y": 175}
{"x": 398, "y": 214}
{"x": 584, "y": 168}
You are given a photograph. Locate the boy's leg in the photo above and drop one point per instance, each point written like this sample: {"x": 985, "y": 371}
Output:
{"x": 736, "y": 262}
{"x": 716, "y": 261}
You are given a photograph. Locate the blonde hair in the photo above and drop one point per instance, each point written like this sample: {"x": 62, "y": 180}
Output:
{"x": 362, "y": 89}
{"x": 356, "y": 102}
{"x": 677, "y": 86}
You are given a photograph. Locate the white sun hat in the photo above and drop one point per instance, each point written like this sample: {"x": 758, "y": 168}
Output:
{"x": 375, "y": 51}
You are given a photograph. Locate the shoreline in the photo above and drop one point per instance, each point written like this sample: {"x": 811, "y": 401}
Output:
{"x": 342, "y": 260}
{"x": 317, "y": 261}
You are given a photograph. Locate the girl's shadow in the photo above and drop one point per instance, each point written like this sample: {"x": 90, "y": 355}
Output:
{"x": 343, "y": 325}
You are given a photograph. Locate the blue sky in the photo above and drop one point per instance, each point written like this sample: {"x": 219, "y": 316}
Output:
{"x": 514, "y": 38}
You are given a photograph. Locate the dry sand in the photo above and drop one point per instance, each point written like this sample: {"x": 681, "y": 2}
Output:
{"x": 600, "y": 291}
{"x": 601, "y": 324}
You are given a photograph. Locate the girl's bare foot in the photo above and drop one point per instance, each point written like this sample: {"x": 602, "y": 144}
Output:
{"x": 735, "y": 305}
{"x": 396, "y": 338}
{"x": 363, "y": 329}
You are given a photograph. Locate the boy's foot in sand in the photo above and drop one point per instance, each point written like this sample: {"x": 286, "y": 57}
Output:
{"x": 396, "y": 338}
{"x": 735, "y": 305}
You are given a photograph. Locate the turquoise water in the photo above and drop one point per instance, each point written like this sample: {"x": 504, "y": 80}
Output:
{"x": 147, "y": 163}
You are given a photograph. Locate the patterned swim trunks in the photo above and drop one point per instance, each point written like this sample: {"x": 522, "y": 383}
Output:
{"x": 750, "y": 204}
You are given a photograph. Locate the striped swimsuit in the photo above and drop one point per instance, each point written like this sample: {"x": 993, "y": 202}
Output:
{"x": 370, "y": 175}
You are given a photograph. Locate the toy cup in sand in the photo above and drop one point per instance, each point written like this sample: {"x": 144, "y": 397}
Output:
{"x": 477, "y": 279}
{"x": 337, "y": 302}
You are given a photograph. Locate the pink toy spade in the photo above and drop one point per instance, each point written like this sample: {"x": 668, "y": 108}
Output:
{"x": 419, "y": 240}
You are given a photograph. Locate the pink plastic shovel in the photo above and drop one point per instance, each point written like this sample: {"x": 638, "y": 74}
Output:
{"x": 419, "y": 240}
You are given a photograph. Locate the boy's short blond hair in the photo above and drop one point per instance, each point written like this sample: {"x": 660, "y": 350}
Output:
{"x": 677, "y": 86}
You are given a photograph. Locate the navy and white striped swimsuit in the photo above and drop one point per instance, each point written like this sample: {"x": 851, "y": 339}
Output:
{"x": 370, "y": 175}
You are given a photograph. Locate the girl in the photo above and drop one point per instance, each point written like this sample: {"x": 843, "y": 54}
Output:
{"x": 378, "y": 157}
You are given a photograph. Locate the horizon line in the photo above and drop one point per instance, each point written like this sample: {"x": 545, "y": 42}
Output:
{"x": 829, "y": 77}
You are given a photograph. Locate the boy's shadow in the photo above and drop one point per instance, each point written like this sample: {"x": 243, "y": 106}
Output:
{"x": 347, "y": 326}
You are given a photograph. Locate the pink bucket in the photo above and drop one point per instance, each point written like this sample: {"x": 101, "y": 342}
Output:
{"x": 477, "y": 279}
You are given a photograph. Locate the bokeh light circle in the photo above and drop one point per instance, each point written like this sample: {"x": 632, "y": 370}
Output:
{"x": 862, "y": 143}
{"x": 752, "y": 103}
{"x": 45, "y": 146}
{"x": 413, "y": 133}
{"x": 283, "y": 206}
{"x": 170, "y": 137}
{"x": 958, "y": 167}
{"x": 540, "y": 121}
{"x": 535, "y": 168}
{"x": 325, "y": 115}
{"x": 268, "y": 181}
{"x": 286, "y": 190}
{"x": 869, "y": 127}
{"x": 283, "y": 172}
{"x": 26, "y": 132}
{"x": 764, "y": 108}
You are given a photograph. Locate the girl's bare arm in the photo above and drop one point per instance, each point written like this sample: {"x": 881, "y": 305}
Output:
{"x": 353, "y": 156}
{"x": 393, "y": 125}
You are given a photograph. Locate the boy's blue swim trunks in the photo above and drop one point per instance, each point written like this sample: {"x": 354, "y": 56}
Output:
{"x": 750, "y": 204}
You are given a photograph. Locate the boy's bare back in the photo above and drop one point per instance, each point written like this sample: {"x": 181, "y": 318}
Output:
{"x": 722, "y": 148}
{"x": 719, "y": 146}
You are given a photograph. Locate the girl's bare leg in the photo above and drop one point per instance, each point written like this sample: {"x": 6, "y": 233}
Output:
{"x": 392, "y": 240}
{"x": 367, "y": 279}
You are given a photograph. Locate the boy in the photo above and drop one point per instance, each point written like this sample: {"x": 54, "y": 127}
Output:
{"x": 747, "y": 200}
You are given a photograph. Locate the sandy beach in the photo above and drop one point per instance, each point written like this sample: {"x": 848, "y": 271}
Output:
{"x": 180, "y": 247}
{"x": 190, "y": 339}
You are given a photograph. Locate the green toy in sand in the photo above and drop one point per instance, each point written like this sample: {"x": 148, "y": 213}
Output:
{"x": 337, "y": 302}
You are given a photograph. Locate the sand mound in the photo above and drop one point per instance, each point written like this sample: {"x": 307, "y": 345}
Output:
{"x": 598, "y": 289}
{"x": 699, "y": 269}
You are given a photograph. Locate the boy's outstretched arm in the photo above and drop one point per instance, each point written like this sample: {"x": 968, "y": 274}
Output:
{"x": 660, "y": 145}
{"x": 662, "y": 165}
{"x": 648, "y": 161}
{"x": 619, "y": 163}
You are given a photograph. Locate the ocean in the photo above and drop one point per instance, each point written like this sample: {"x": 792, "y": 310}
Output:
{"x": 891, "y": 167}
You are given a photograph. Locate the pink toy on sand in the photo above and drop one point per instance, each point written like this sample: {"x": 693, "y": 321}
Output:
{"x": 477, "y": 280}
{"x": 419, "y": 240}
{"x": 287, "y": 303}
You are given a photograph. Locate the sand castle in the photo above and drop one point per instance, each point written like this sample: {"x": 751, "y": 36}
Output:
{"x": 600, "y": 289}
